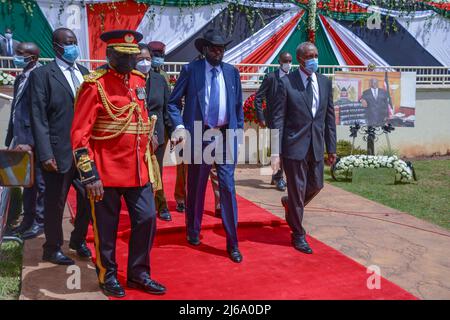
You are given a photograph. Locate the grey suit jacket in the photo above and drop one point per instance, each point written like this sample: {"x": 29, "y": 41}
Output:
{"x": 298, "y": 129}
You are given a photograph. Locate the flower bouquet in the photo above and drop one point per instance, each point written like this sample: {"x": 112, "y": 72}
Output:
{"x": 404, "y": 171}
{"x": 172, "y": 82}
{"x": 6, "y": 79}
{"x": 250, "y": 110}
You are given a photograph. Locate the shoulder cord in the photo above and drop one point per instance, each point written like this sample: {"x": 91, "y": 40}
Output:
{"x": 109, "y": 107}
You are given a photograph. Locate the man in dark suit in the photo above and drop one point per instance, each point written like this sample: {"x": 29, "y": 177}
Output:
{"x": 20, "y": 137}
{"x": 157, "y": 98}
{"x": 213, "y": 100}
{"x": 304, "y": 117}
{"x": 53, "y": 90}
{"x": 8, "y": 47}
{"x": 268, "y": 91}
{"x": 376, "y": 100}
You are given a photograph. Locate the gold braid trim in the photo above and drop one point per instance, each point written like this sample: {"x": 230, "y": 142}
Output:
{"x": 115, "y": 112}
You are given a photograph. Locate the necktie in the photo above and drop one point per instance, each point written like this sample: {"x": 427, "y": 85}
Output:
{"x": 309, "y": 92}
{"x": 10, "y": 51}
{"x": 75, "y": 81}
{"x": 214, "y": 98}
{"x": 20, "y": 82}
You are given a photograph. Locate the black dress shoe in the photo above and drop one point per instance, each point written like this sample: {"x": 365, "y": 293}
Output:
{"x": 35, "y": 231}
{"x": 195, "y": 241}
{"x": 82, "y": 249}
{"x": 58, "y": 258}
{"x": 112, "y": 288}
{"x": 281, "y": 185}
{"x": 22, "y": 228}
{"x": 148, "y": 285}
{"x": 180, "y": 207}
{"x": 235, "y": 255}
{"x": 164, "y": 214}
{"x": 301, "y": 245}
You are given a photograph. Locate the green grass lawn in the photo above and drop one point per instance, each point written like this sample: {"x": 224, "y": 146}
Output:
{"x": 10, "y": 270}
{"x": 428, "y": 198}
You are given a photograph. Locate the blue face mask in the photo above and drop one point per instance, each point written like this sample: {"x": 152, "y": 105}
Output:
{"x": 20, "y": 61}
{"x": 157, "y": 62}
{"x": 71, "y": 52}
{"x": 312, "y": 65}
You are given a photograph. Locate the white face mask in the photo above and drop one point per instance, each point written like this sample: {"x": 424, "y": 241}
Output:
{"x": 8, "y": 36}
{"x": 286, "y": 67}
{"x": 143, "y": 66}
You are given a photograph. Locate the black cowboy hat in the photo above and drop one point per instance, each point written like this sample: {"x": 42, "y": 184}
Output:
{"x": 211, "y": 37}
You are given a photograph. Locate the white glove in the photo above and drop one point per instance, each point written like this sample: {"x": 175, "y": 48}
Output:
{"x": 178, "y": 136}
{"x": 275, "y": 163}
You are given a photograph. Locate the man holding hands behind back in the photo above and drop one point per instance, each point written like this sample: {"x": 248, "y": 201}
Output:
{"x": 304, "y": 116}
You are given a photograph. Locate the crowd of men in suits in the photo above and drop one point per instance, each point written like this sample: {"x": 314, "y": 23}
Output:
{"x": 57, "y": 113}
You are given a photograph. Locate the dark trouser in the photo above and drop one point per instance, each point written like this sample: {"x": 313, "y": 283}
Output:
{"x": 196, "y": 186}
{"x": 304, "y": 181}
{"x": 56, "y": 189}
{"x": 33, "y": 201}
{"x": 141, "y": 207}
{"x": 160, "y": 198}
{"x": 180, "y": 183}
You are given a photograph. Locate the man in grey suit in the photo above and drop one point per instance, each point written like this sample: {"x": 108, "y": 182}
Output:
{"x": 268, "y": 91}
{"x": 304, "y": 116}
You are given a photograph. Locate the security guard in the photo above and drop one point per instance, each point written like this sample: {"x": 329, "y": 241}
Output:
{"x": 112, "y": 143}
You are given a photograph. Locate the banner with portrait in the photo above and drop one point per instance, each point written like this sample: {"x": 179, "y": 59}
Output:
{"x": 375, "y": 98}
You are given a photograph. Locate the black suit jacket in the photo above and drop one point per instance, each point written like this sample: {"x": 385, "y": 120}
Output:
{"x": 377, "y": 109}
{"x": 298, "y": 129}
{"x": 21, "y": 128}
{"x": 267, "y": 90}
{"x": 157, "y": 99}
{"x": 52, "y": 103}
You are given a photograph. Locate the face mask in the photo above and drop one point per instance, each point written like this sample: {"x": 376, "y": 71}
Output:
{"x": 71, "y": 52}
{"x": 20, "y": 61}
{"x": 312, "y": 65}
{"x": 123, "y": 64}
{"x": 143, "y": 66}
{"x": 8, "y": 36}
{"x": 157, "y": 62}
{"x": 286, "y": 67}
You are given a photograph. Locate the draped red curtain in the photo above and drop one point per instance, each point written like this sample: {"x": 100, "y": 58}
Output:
{"x": 110, "y": 16}
{"x": 349, "y": 57}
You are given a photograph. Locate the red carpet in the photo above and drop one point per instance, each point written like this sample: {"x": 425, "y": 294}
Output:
{"x": 272, "y": 269}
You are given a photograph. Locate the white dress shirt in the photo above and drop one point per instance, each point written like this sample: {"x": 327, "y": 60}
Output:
{"x": 65, "y": 68}
{"x": 315, "y": 87}
{"x": 282, "y": 73}
{"x": 9, "y": 47}
{"x": 222, "y": 97}
{"x": 375, "y": 93}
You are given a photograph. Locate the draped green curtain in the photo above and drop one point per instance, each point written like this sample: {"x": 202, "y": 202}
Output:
{"x": 326, "y": 54}
{"x": 28, "y": 24}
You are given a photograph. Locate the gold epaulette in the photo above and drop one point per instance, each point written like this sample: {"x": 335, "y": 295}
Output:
{"x": 95, "y": 75}
{"x": 138, "y": 73}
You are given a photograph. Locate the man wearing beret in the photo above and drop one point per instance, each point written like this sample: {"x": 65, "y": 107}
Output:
{"x": 111, "y": 138}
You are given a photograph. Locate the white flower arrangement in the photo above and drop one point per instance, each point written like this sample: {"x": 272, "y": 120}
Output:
{"x": 6, "y": 79}
{"x": 403, "y": 172}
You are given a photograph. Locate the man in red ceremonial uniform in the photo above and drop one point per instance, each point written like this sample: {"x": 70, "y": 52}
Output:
{"x": 111, "y": 141}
